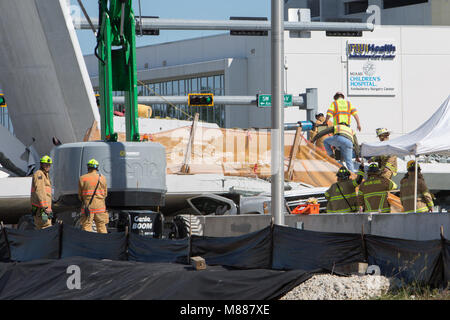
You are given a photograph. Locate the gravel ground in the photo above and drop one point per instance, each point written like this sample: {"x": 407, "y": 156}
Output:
{"x": 332, "y": 287}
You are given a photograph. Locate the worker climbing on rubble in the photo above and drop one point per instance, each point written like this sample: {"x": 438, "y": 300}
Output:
{"x": 387, "y": 163}
{"x": 92, "y": 191}
{"x": 344, "y": 139}
{"x": 407, "y": 190}
{"x": 319, "y": 126}
{"x": 341, "y": 110}
{"x": 373, "y": 193}
{"x": 41, "y": 195}
{"x": 342, "y": 195}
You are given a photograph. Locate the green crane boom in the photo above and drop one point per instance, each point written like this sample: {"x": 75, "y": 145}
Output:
{"x": 117, "y": 66}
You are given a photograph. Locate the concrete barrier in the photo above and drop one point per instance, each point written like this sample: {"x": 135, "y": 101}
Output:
{"x": 231, "y": 226}
{"x": 411, "y": 226}
{"x": 414, "y": 226}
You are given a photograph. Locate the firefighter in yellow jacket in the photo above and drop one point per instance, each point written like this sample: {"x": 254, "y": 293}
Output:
{"x": 92, "y": 191}
{"x": 342, "y": 196}
{"x": 41, "y": 195}
{"x": 407, "y": 191}
{"x": 373, "y": 193}
{"x": 387, "y": 163}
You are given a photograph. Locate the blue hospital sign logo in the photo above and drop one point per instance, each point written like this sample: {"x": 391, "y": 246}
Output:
{"x": 372, "y": 68}
{"x": 371, "y": 50}
{"x": 369, "y": 68}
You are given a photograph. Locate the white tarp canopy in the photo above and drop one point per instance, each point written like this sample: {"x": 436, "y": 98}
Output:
{"x": 433, "y": 136}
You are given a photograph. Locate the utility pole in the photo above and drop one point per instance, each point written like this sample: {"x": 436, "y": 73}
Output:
{"x": 277, "y": 135}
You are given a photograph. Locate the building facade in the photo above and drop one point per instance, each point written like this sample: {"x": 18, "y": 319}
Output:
{"x": 391, "y": 12}
{"x": 399, "y": 89}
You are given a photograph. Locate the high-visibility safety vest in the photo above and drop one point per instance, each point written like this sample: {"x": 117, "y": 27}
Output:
{"x": 373, "y": 194}
{"x": 407, "y": 190}
{"x": 341, "y": 110}
{"x": 386, "y": 161}
{"x": 342, "y": 196}
{"x": 345, "y": 131}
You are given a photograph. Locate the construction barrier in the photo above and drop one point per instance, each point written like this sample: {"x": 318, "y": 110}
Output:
{"x": 249, "y": 251}
{"x": 28, "y": 245}
{"x": 145, "y": 249}
{"x": 79, "y": 243}
{"x": 309, "y": 250}
{"x": 274, "y": 248}
{"x": 126, "y": 280}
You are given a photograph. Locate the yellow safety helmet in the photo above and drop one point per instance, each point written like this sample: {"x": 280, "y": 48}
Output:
{"x": 381, "y": 131}
{"x": 46, "y": 159}
{"x": 343, "y": 173}
{"x": 411, "y": 164}
{"x": 373, "y": 168}
{"x": 93, "y": 163}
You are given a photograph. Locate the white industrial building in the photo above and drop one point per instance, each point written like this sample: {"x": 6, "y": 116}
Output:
{"x": 391, "y": 12}
{"x": 416, "y": 74}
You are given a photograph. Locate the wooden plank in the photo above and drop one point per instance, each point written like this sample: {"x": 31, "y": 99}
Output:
{"x": 294, "y": 151}
{"x": 187, "y": 155}
{"x": 92, "y": 133}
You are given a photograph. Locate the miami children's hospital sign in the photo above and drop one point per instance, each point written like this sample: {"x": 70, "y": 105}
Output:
{"x": 372, "y": 67}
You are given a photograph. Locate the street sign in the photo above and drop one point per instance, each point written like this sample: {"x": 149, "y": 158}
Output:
{"x": 265, "y": 100}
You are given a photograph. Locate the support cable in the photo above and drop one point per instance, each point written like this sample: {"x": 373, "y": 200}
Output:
{"x": 87, "y": 17}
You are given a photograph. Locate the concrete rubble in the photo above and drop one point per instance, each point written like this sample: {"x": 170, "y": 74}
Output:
{"x": 333, "y": 287}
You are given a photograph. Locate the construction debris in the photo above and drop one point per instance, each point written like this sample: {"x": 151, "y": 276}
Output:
{"x": 333, "y": 287}
{"x": 198, "y": 263}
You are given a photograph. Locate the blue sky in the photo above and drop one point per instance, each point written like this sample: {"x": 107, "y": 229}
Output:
{"x": 179, "y": 9}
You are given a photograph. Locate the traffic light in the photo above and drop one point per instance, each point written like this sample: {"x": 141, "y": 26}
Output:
{"x": 200, "y": 99}
{"x": 2, "y": 100}
{"x": 249, "y": 32}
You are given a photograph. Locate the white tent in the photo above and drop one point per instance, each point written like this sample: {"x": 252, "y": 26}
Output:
{"x": 433, "y": 136}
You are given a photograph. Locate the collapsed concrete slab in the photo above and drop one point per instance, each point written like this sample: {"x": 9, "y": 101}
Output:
{"x": 43, "y": 73}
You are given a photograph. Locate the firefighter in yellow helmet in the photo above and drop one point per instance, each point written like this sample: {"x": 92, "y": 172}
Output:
{"x": 387, "y": 163}
{"x": 92, "y": 191}
{"x": 373, "y": 193}
{"x": 342, "y": 195}
{"x": 407, "y": 190}
{"x": 41, "y": 195}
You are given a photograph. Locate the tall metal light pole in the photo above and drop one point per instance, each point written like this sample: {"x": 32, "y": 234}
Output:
{"x": 277, "y": 135}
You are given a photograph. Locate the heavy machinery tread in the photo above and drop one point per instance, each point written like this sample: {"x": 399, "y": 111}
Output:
{"x": 191, "y": 222}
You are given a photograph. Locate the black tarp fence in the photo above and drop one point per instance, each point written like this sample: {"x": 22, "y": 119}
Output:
{"x": 309, "y": 250}
{"x": 249, "y": 251}
{"x": 79, "y": 243}
{"x": 4, "y": 248}
{"x": 28, "y": 245}
{"x": 145, "y": 249}
{"x": 274, "y": 247}
{"x": 126, "y": 280}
